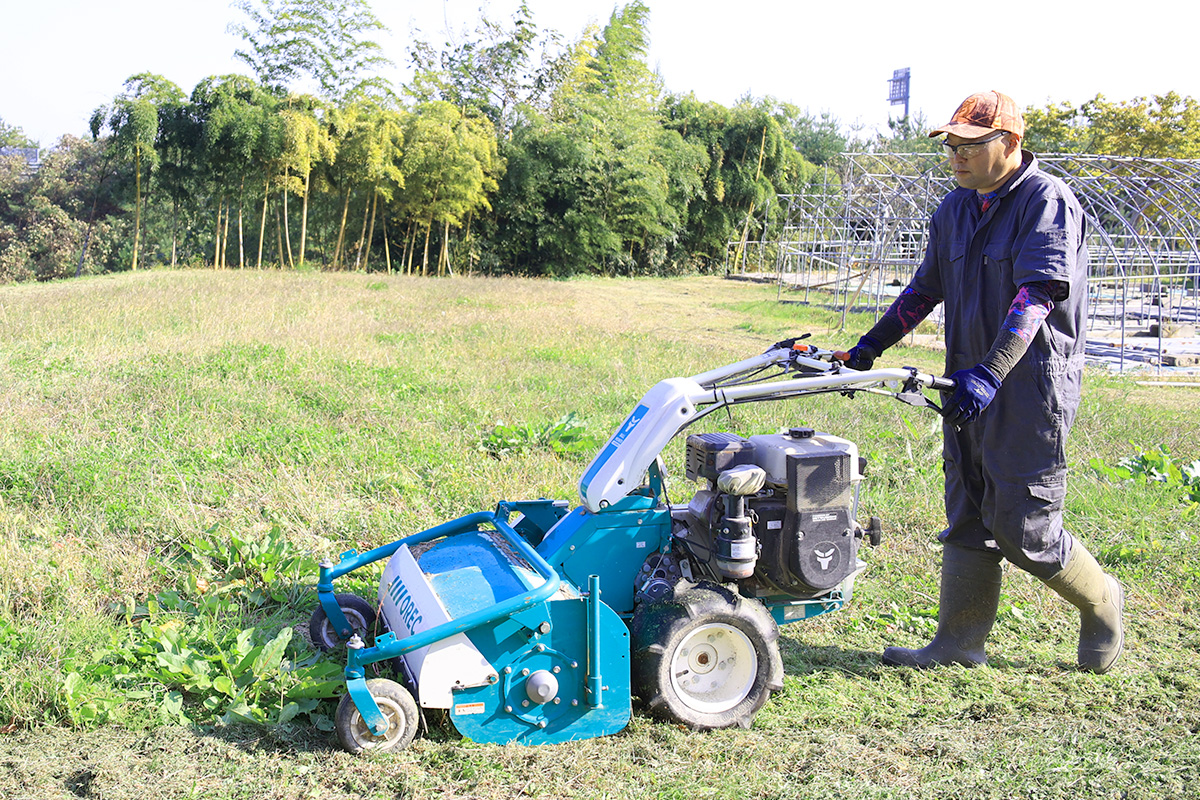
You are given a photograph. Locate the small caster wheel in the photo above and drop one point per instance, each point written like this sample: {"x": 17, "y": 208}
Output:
{"x": 398, "y": 707}
{"x": 359, "y": 613}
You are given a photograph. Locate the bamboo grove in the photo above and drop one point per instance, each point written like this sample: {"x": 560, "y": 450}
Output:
{"x": 511, "y": 151}
{"x": 514, "y": 151}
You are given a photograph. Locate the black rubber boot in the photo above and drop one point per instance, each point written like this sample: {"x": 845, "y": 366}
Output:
{"x": 970, "y": 596}
{"x": 1100, "y": 600}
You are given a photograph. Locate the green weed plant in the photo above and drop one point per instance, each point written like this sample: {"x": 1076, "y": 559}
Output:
{"x": 213, "y": 648}
{"x": 568, "y": 437}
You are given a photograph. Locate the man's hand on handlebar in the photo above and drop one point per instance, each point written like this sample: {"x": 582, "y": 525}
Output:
{"x": 862, "y": 356}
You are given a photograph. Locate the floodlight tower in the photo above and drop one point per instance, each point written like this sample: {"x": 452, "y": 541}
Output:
{"x": 898, "y": 88}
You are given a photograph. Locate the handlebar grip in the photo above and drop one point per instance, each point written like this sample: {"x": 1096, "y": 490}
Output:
{"x": 942, "y": 384}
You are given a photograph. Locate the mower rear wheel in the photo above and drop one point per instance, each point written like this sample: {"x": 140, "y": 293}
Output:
{"x": 398, "y": 707}
{"x": 706, "y": 657}
{"x": 359, "y": 613}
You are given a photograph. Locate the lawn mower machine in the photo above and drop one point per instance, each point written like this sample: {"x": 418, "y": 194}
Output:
{"x": 535, "y": 623}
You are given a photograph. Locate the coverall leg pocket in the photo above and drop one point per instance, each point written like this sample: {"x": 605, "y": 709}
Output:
{"x": 1042, "y": 545}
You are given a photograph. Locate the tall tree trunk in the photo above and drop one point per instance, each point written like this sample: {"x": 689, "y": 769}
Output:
{"x": 262, "y": 225}
{"x": 371, "y": 232}
{"x": 279, "y": 238}
{"x": 362, "y": 235}
{"x": 444, "y": 256}
{"x": 174, "y": 231}
{"x": 387, "y": 252}
{"x": 425, "y": 254}
{"x": 87, "y": 236}
{"x": 241, "y": 239}
{"x": 337, "y": 250}
{"x": 217, "y": 238}
{"x": 225, "y": 235}
{"x": 303, "y": 220}
{"x": 410, "y": 244}
{"x": 137, "y": 205}
{"x": 428, "y": 228}
{"x": 467, "y": 242}
{"x": 287, "y": 231}
{"x": 740, "y": 253}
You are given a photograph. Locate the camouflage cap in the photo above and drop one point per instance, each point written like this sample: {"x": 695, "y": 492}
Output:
{"x": 982, "y": 113}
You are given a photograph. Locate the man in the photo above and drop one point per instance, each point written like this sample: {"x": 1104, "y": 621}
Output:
{"x": 1007, "y": 257}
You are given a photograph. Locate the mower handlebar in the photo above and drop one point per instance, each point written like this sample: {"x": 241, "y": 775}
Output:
{"x": 942, "y": 384}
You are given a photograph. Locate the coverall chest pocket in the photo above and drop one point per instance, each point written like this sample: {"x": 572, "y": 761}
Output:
{"x": 998, "y": 262}
{"x": 953, "y": 257}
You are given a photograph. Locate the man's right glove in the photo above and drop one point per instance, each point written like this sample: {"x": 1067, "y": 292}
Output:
{"x": 862, "y": 356}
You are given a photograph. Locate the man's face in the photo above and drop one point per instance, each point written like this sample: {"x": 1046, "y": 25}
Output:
{"x": 986, "y": 169}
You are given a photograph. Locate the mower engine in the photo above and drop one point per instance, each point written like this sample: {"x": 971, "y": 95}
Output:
{"x": 778, "y": 514}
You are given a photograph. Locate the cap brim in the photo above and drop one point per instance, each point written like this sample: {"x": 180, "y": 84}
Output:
{"x": 965, "y": 130}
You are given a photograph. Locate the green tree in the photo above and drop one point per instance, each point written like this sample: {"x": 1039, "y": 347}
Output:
{"x": 326, "y": 41}
{"x": 178, "y": 147}
{"x": 750, "y": 161}
{"x": 1055, "y": 129}
{"x": 450, "y": 167}
{"x": 229, "y": 110}
{"x": 908, "y": 134}
{"x": 1157, "y": 126}
{"x": 384, "y": 173}
{"x": 621, "y": 72}
{"x": 278, "y": 41}
{"x": 348, "y": 59}
{"x": 307, "y": 143}
{"x": 367, "y": 163}
{"x": 132, "y": 119}
{"x": 47, "y": 216}
{"x": 818, "y": 139}
{"x": 13, "y": 136}
{"x": 596, "y": 183}
{"x": 491, "y": 71}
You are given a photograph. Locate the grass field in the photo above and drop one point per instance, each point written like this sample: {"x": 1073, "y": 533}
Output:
{"x": 174, "y": 446}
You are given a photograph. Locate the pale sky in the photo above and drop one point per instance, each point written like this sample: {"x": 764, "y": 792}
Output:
{"x": 63, "y": 58}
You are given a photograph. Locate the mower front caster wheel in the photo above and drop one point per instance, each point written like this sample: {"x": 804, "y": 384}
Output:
{"x": 705, "y": 657}
{"x": 398, "y": 708}
{"x": 359, "y": 613}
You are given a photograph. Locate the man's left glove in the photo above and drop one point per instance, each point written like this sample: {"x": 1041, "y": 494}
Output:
{"x": 862, "y": 356}
{"x": 974, "y": 390}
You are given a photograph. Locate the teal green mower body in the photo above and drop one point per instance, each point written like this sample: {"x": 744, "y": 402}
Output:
{"x": 538, "y": 624}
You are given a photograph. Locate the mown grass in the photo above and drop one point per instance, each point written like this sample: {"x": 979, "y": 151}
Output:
{"x": 142, "y": 412}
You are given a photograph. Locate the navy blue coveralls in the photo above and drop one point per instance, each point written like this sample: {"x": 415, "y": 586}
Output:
{"x": 1006, "y": 473}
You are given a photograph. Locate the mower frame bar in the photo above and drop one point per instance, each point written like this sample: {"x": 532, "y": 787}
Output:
{"x": 387, "y": 645}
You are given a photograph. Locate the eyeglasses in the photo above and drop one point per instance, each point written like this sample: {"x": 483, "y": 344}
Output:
{"x": 971, "y": 148}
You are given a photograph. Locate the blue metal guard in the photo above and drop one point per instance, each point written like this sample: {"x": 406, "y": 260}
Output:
{"x": 391, "y": 647}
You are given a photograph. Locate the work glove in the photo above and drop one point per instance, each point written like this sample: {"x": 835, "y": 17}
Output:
{"x": 974, "y": 390}
{"x": 862, "y": 356}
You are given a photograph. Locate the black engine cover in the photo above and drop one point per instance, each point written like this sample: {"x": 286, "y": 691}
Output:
{"x": 825, "y": 549}
{"x": 803, "y": 552}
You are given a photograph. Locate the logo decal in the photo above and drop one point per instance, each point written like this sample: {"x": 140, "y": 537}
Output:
{"x": 612, "y": 446}
{"x": 409, "y": 613}
{"x": 826, "y": 557}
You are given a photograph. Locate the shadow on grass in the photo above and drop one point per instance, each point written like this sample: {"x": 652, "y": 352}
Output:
{"x": 801, "y": 659}
{"x": 287, "y": 739}
{"x": 301, "y": 737}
